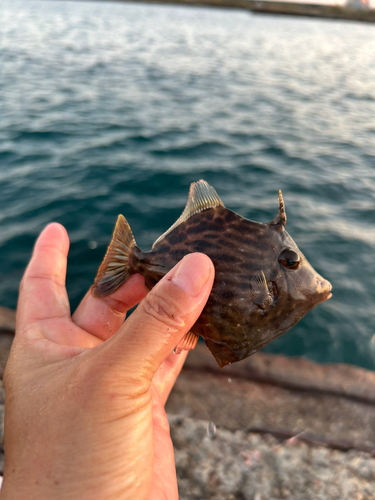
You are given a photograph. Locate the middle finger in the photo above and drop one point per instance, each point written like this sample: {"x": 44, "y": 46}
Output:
{"x": 102, "y": 317}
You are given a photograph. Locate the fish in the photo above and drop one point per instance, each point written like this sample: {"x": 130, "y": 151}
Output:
{"x": 263, "y": 283}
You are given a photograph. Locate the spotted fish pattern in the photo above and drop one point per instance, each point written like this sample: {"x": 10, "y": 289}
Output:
{"x": 263, "y": 283}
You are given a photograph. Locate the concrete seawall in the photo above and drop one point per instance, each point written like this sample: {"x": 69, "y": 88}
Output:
{"x": 286, "y": 428}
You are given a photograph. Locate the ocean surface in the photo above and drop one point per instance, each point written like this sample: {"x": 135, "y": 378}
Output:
{"x": 109, "y": 108}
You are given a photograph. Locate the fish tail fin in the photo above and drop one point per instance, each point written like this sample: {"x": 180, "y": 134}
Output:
{"x": 114, "y": 270}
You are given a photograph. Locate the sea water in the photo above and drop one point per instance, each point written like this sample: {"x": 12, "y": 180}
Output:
{"x": 109, "y": 108}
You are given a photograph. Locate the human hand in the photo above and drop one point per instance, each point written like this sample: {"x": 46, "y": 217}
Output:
{"x": 85, "y": 395}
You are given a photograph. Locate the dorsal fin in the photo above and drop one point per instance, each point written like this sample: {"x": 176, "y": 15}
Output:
{"x": 280, "y": 219}
{"x": 202, "y": 196}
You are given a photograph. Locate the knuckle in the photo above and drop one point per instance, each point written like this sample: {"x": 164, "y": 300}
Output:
{"x": 53, "y": 278}
{"x": 163, "y": 310}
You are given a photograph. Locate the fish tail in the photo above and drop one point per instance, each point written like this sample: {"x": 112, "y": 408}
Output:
{"x": 114, "y": 270}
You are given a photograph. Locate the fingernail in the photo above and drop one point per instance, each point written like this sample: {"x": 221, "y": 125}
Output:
{"x": 192, "y": 273}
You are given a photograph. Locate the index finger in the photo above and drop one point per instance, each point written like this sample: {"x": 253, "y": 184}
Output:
{"x": 42, "y": 292}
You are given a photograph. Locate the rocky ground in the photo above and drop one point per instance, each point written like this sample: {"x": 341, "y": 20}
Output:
{"x": 242, "y": 465}
{"x": 267, "y": 428}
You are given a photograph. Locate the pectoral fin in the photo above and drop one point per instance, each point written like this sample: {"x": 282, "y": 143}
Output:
{"x": 259, "y": 291}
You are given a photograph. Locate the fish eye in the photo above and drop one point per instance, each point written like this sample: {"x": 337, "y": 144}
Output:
{"x": 289, "y": 259}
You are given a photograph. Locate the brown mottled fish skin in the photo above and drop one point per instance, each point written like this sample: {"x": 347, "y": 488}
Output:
{"x": 255, "y": 298}
{"x": 231, "y": 324}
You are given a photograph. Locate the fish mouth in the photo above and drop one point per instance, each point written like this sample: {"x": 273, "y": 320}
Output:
{"x": 328, "y": 290}
{"x": 324, "y": 289}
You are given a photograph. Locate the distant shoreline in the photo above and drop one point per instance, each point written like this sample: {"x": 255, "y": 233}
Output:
{"x": 275, "y": 7}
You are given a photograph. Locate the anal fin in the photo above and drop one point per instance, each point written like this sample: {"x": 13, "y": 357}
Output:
{"x": 187, "y": 343}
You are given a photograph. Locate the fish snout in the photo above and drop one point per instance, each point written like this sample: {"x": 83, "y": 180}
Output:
{"x": 324, "y": 288}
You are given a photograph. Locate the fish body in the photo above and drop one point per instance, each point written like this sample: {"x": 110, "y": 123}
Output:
{"x": 263, "y": 283}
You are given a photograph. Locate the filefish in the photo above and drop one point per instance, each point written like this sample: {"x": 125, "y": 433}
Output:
{"x": 263, "y": 283}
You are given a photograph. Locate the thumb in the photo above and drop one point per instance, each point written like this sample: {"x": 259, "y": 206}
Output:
{"x": 163, "y": 317}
